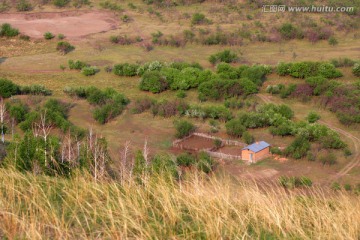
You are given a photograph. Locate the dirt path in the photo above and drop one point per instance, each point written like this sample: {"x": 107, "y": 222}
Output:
{"x": 73, "y": 24}
{"x": 356, "y": 141}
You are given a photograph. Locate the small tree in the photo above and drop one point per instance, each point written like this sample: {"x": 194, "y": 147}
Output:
{"x": 183, "y": 128}
{"x": 235, "y": 128}
{"x": 333, "y": 41}
{"x": 313, "y": 117}
{"x": 64, "y": 47}
{"x": 48, "y": 35}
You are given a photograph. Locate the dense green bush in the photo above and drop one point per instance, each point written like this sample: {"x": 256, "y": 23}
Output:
{"x": 313, "y": 117}
{"x": 328, "y": 70}
{"x": 48, "y": 35}
{"x": 8, "y": 31}
{"x": 154, "y": 82}
{"x": 35, "y": 90}
{"x": 283, "y": 69}
{"x": 298, "y": 148}
{"x": 235, "y": 128}
{"x": 248, "y": 138}
{"x": 89, "y": 71}
{"x": 256, "y": 73}
{"x": 289, "y": 31}
{"x": 78, "y": 65}
{"x": 225, "y": 56}
{"x": 199, "y": 18}
{"x": 17, "y": 110}
{"x": 183, "y": 128}
{"x": 8, "y": 88}
{"x": 125, "y": 69}
{"x": 182, "y": 65}
{"x": 304, "y": 69}
{"x": 275, "y": 89}
{"x": 185, "y": 160}
{"x": 61, "y": 3}
{"x": 64, "y": 47}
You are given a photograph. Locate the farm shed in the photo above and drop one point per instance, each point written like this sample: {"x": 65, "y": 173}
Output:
{"x": 255, "y": 151}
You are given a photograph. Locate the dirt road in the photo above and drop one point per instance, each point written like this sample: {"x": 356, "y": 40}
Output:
{"x": 356, "y": 142}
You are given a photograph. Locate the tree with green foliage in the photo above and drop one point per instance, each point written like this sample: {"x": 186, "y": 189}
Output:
{"x": 235, "y": 128}
{"x": 8, "y": 88}
{"x": 183, "y": 128}
{"x": 154, "y": 82}
{"x": 313, "y": 117}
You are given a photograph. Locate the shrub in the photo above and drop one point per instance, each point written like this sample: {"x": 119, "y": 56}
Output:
{"x": 329, "y": 159}
{"x": 48, "y": 35}
{"x": 185, "y": 160}
{"x": 304, "y": 69}
{"x": 247, "y": 138}
{"x": 89, "y": 71}
{"x": 356, "y": 69}
{"x": 17, "y": 111}
{"x": 328, "y": 70}
{"x": 24, "y": 37}
{"x": 61, "y": 3}
{"x": 333, "y": 41}
{"x": 289, "y": 31}
{"x": 125, "y": 69}
{"x": 78, "y": 65}
{"x": 108, "y": 111}
{"x": 225, "y": 56}
{"x": 298, "y": 148}
{"x": 64, "y": 47}
{"x": 313, "y": 117}
{"x": 35, "y": 90}
{"x": 343, "y": 62}
{"x": 8, "y": 31}
{"x": 154, "y": 82}
{"x": 181, "y": 94}
{"x": 235, "y": 128}
{"x": 199, "y": 18}
{"x": 183, "y": 128}
{"x": 256, "y": 73}
{"x": 23, "y": 6}
{"x": 283, "y": 69}
{"x": 141, "y": 105}
{"x": 8, "y": 88}
{"x": 61, "y": 36}
{"x": 111, "y": 6}
{"x": 205, "y": 163}
{"x": 169, "y": 108}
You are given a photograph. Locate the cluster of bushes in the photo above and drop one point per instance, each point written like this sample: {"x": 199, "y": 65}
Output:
{"x": 201, "y": 161}
{"x": 278, "y": 119}
{"x": 109, "y": 103}
{"x": 8, "y": 89}
{"x": 213, "y": 112}
{"x": 8, "y": 31}
{"x": 295, "y": 182}
{"x": 199, "y": 18}
{"x": 124, "y": 40}
{"x": 308, "y": 69}
{"x": 85, "y": 68}
{"x": 111, "y": 6}
{"x": 183, "y": 128}
{"x": 23, "y": 6}
{"x": 64, "y": 47}
{"x": 225, "y": 56}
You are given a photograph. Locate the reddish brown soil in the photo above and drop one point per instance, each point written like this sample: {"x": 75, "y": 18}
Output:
{"x": 232, "y": 150}
{"x": 197, "y": 143}
{"x": 73, "y": 24}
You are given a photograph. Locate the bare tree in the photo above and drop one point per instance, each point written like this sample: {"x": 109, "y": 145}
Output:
{"x": 70, "y": 150}
{"x": 43, "y": 129}
{"x": 2, "y": 118}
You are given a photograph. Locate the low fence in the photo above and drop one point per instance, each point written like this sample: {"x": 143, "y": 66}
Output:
{"x": 177, "y": 143}
{"x": 223, "y": 155}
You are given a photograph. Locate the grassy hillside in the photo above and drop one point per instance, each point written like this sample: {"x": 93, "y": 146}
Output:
{"x": 36, "y": 207}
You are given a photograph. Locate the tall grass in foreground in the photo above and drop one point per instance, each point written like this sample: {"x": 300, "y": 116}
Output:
{"x": 38, "y": 207}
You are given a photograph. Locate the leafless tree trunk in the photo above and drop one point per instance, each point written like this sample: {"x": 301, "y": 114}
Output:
{"x": 44, "y": 129}
{"x": 2, "y": 118}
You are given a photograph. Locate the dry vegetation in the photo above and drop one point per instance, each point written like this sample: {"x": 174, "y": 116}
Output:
{"x": 35, "y": 207}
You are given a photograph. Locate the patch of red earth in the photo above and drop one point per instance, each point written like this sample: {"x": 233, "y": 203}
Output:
{"x": 197, "y": 143}
{"x": 231, "y": 150}
{"x": 73, "y": 24}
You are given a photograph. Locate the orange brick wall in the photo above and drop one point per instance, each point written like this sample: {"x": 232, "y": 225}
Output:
{"x": 245, "y": 154}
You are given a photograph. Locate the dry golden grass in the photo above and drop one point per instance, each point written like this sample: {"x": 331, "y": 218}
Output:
{"x": 37, "y": 207}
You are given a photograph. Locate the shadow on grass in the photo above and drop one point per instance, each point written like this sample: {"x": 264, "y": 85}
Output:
{"x": 2, "y": 59}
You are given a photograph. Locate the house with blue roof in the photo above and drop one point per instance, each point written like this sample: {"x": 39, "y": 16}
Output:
{"x": 255, "y": 151}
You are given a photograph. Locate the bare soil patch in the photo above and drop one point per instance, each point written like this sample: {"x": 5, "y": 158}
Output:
{"x": 73, "y": 24}
{"x": 231, "y": 150}
{"x": 197, "y": 143}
